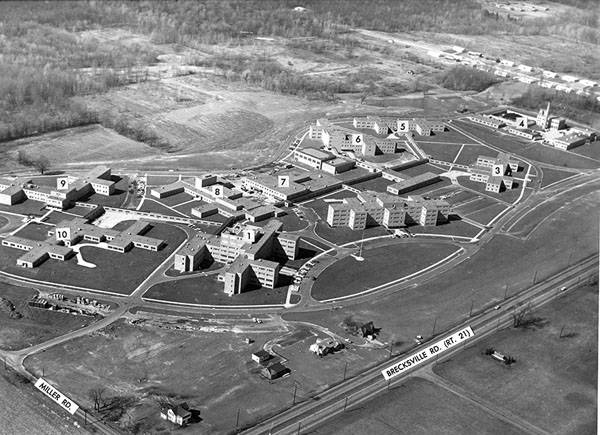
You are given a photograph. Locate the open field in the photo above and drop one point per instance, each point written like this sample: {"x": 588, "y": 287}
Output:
{"x": 206, "y": 290}
{"x": 507, "y": 196}
{"x": 480, "y": 280}
{"x": 486, "y": 214}
{"x": 35, "y": 325}
{"x": 589, "y": 149}
{"x": 381, "y": 264}
{"x": 553, "y": 175}
{"x": 210, "y": 368}
{"x": 551, "y": 207}
{"x": 465, "y": 208}
{"x": 529, "y": 150}
{"x": 550, "y": 362}
{"x": 115, "y": 272}
{"x": 448, "y": 136}
{"x": 453, "y": 227}
{"x": 80, "y": 147}
{"x": 23, "y": 410}
{"x": 341, "y": 235}
{"x": 417, "y": 406}
{"x": 440, "y": 151}
{"x": 469, "y": 154}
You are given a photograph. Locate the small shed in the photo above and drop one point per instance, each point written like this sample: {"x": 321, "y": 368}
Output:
{"x": 274, "y": 371}
{"x": 261, "y": 356}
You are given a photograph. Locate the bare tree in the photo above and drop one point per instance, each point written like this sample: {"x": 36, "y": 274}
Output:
{"x": 520, "y": 316}
{"x": 42, "y": 164}
{"x": 95, "y": 394}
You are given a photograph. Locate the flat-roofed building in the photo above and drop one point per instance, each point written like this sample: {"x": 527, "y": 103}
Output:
{"x": 312, "y": 157}
{"x": 37, "y": 251}
{"x": 337, "y": 165}
{"x": 501, "y": 159}
{"x": 413, "y": 183}
{"x": 375, "y": 208}
{"x": 488, "y": 121}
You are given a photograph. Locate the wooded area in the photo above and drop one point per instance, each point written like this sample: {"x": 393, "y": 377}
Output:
{"x": 46, "y": 59}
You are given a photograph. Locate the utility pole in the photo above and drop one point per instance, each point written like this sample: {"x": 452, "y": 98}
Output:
{"x": 535, "y": 276}
{"x": 345, "y": 368}
{"x": 299, "y": 423}
{"x": 505, "y": 290}
{"x": 434, "y": 325}
{"x": 237, "y": 420}
{"x": 471, "y": 309}
{"x": 390, "y": 349}
{"x": 561, "y": 331}
{"x": 346, "y": 403}
{"x": 294, "y": 399}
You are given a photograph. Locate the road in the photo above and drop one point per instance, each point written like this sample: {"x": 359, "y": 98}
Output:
{"x": 310, "y": 414}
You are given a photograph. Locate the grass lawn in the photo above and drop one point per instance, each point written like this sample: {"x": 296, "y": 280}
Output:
{"x": 115, "y": 272}
{"x": 378, "y": 184}
{"x": 304, "y": 245}
{"x": 480, "y": 280}
{"x": 450, "y": 135}
{"x": 35, "y": 326}
{"x": 473, "y": 206}
{"x": 152, "y": 206}
{"x": 529, "y": 150}
{"x": 508, "y": 196}
{"x": 34, "y": 231}
{"x": 341, "y": 235}
{"x": 553, "y": 175}
{"x": 416, "y": 407}
{"x": 454, "y": 227}
{"x": 485, "y": 215}
{"x": 208, "y": 291}
{"x": 27, "y": 207}
{"x": 462, "y": 197}
{"x": 553, "y": 383}
{"x": 381, "y": 264}
{"x": 469, "y": 154}
{"x": 440, "y": 151}
{"x": 57, "y": 216}
{"x": 3, "y": 221}
{"x": 590, "y": 149}
{"x": 320, "y": 206}
{"x": 548, "y": 208}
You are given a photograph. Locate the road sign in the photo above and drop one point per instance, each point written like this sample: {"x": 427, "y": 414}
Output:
{"x": 57, "y": 396}
{"x": 428, "y": 353}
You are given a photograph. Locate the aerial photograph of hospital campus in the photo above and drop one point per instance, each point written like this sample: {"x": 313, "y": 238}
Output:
{"x": 299, "y": 217}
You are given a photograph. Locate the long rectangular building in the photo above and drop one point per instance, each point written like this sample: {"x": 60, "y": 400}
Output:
{"x": 413, "y": 183}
